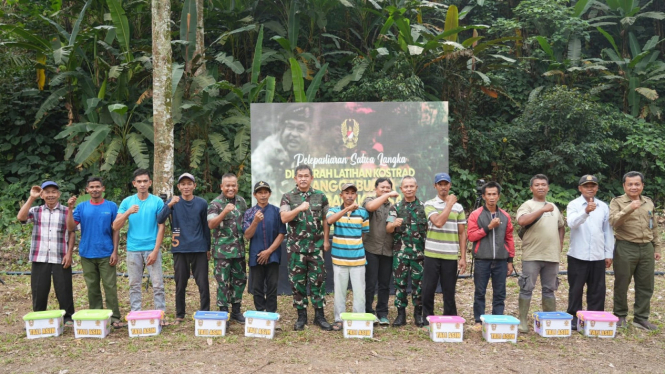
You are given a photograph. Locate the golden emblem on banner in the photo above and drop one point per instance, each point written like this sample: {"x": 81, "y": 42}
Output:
{"x": 98, "y": 322}
{"x": 611, "y": 324}
{"x": 219, "y": 323}
{"x": 152, "y": 321}
{"x": 366, "y": 323}
{"x": 133, "y": 322}
{"x": 348, "y": 323}
{"x": 493, "y": 327}
{"x": 456, "y": 326}
{"x": 250, "y": 320}
{"x": 78, "y": 323}
{"x": 593, "y": 323}
{"x": 350, "y": 130}
{"x": 512, "y": 327}
{"x": 268, "y": 323}
{"x": 565, "y": 323}
{"x": 50, "y": 321}
{"x": 31, "y": 323}
{"x": 548, "y": 322}
{"x": 200, "y": 322}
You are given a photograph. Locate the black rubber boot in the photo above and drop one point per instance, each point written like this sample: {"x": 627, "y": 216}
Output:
{"x": 235, "y": 313}
{"x": 320, "y": 319}
{"x": 418, "y": 316}
{"x": 302, "y": 320}
{"x": 401, "y": 318}
{"x": 224, "y": 309}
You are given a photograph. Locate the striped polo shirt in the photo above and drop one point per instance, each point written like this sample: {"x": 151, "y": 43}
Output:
{"x": 443, "y": 242}
{"x": 347, "y": 244}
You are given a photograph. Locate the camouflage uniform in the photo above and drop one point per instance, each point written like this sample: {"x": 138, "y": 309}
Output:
{"x": 228, "y": 250}
{"x": 304, "y": 243}
{"x": 408, "y": 248}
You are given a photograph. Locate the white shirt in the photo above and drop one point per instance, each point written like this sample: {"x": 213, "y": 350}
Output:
{"x": 591, "y": 236}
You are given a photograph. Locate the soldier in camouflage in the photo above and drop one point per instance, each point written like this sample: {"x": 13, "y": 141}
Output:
{"x": 408, "y": 222}
{"x": 304, "y": 210}
{"x": 225, "y": 215}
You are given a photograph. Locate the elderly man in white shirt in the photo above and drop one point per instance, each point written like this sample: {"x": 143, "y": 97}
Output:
{"x": 591, "y": 248}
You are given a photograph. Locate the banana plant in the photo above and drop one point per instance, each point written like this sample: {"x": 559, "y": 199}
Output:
{"x": 638, "y": 76}
{"x": 105, "y": 141}
{"x": 216, "y": 116}
{"x": 96, "y": 79}
{"x": 624, "y": 15}
{"x": 567, "y": 70}
{"x": 60, "y": 54}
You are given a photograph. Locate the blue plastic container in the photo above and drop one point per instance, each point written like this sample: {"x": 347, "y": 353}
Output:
{"x": 498, "y": 329}
{"x": 552, "y": 324}
{"x": 210, "y": 324}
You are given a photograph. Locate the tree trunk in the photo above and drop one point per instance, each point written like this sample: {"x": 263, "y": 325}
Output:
{"x": 161, "y": 99}
{"x": 200, "y": 42}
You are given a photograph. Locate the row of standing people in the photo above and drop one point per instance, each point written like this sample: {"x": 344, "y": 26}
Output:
{"x": 370, "y": 244}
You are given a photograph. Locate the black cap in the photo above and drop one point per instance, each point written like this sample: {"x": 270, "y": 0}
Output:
{"x": 261, "y": 184}
{"x": 588, "y": 179}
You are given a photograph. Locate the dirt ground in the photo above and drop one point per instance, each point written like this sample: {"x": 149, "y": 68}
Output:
{"x": 393, "y": 350}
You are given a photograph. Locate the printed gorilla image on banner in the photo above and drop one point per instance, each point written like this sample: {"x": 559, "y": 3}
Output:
{"x": 349, "y": 142}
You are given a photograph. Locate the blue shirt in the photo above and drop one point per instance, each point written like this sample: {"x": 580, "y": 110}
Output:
{"x": 142, "y": 231}
{"x": 189, "y": 225}
{"x": 347, "y": 241}
{"x": 96, "y": 223}
{"x": 265, "y": 234}
{"x": 591, "y": 236}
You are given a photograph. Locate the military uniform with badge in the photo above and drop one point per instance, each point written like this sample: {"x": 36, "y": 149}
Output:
{"x": 304, "y": 243}
{"x": 228, "y": 251}
{"x": 408, "y": 249}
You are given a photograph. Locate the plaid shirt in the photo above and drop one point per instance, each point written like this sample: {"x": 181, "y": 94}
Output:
{"x": 49, "y": 233}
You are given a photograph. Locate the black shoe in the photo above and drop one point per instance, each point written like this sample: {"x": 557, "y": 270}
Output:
{"x": 224, "y": 309}
{"x": 644, "y": 325}
{"x": 235, "y": 313}
{"x": 622, "y": 323}
{"x": 302, "y": 320}
{"x": 573, "y": 324}
{"x": 418, "y": 316}
{"x": 320, "y": 319}
{"x": 401, "y": 318}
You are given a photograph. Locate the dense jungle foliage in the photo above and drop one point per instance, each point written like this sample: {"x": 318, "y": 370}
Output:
{"x": 559, "y": 87}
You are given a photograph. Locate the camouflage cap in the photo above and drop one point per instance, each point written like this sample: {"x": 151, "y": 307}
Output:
{"x": 345, "y": 186}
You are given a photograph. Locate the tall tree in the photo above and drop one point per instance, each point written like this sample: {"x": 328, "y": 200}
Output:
{"x": 162, "y": 97}
{"x": 200, "y": 46}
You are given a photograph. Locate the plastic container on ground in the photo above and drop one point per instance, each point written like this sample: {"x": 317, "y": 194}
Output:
{"x": 44, "y": 324}
{"x": 499, "y": 329}
{"x": 260, "y": 324}
{"x": 210, "y": 324}
{"x": 145, "y": 322}
{"x": 92, "y": 323}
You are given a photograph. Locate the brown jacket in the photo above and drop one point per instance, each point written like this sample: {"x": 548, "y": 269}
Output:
{"x": 636, "y": 226}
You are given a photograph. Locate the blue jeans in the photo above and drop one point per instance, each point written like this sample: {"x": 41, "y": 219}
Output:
{"x": 135, "y": 262}
{"x": 497, "y": 270}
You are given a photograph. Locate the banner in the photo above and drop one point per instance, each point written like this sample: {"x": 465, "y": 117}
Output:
{"x": 348, "y": 142}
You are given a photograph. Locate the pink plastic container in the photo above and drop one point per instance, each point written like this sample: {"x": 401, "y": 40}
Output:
{"x": 597, "y": 324}
{"x": 145, "y": 322}
{"x": 446, "y": 328}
